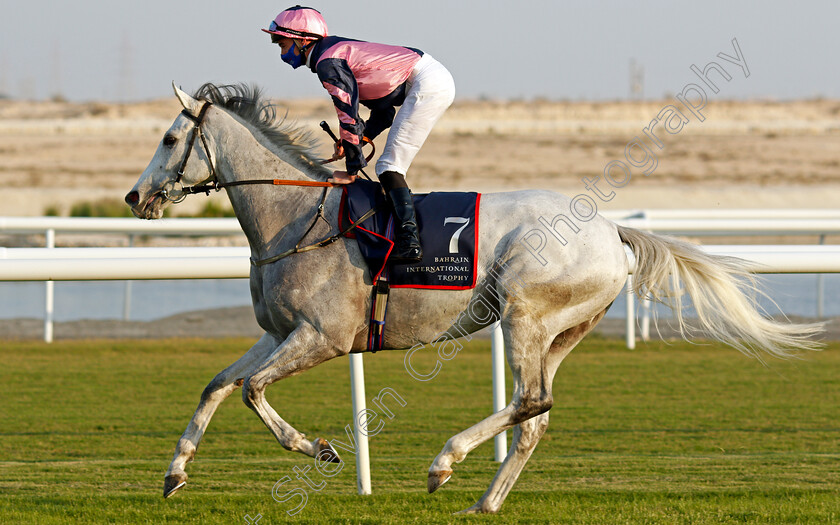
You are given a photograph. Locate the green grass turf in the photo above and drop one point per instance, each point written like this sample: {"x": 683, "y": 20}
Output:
{"x": 667, "y": 433}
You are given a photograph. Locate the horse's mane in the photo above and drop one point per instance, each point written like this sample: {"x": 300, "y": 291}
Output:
{"x": 248, "y": 104}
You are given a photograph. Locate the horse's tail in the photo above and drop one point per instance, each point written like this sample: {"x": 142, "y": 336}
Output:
{"x": 723, "y": 293}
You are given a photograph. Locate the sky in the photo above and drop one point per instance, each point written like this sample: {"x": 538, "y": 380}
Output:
{"x": 577, "y": 50}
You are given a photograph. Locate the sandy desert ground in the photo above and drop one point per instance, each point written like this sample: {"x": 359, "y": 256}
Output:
{"x": 757, "y": 154}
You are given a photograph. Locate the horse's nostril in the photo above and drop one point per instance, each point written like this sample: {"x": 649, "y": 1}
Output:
{"x": 132, "y": 198}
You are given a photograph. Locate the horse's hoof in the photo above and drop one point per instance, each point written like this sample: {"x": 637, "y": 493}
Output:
{"x": 436, "y": 479}
{"x": 475, "y": 509}
{"x": 326, "y": 453}
{"x": 172, "y": 483}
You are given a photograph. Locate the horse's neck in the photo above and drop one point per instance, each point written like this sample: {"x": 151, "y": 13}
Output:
{"x": 270, "y": 216}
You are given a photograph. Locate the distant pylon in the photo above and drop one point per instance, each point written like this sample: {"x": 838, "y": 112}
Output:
{"x": 637, "y": 80}
{"x": 55, "y": 82}
{"x": 4, "y": 69}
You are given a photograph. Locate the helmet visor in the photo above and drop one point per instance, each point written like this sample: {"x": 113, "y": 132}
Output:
{"x": 274, "y": 28}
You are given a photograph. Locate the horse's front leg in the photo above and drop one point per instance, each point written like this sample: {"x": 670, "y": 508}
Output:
{"x": 216, "y": 391}
{"x": 303, "y": 349}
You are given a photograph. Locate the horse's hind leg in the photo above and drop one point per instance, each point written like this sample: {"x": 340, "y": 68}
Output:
{"x": 527, "y": 434}
{"x": 525, "y": 346}
{"x": 216, "y": 391}
{"x": 533, "y": 374}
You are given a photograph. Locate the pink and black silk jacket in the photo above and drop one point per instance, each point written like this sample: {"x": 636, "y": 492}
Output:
{"x": 356, "y": 72}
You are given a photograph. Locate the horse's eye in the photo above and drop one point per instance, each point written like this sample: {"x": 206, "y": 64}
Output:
{"x": 169, "y": 140}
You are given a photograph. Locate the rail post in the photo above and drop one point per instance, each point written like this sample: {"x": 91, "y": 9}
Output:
{"x": 821, "y": 289}
{"x": 49, "y": 303}
{"x": 631, "y": 314}
{"x": 357, "y": 386}
{"x": 499, "y": 398}
{"x": 127, "y": 290}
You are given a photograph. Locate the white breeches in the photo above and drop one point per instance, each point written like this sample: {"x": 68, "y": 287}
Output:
{"x": 430, "y": 90}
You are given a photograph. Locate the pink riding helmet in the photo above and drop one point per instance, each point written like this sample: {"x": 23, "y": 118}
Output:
{"x": 304, "y": 23}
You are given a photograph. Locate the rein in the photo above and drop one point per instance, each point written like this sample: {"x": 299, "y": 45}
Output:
{"x": 176, "y": 195}
{"x": 217, "y": 186}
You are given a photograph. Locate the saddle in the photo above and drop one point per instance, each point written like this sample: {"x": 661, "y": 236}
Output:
{"x": 448, "y": 223}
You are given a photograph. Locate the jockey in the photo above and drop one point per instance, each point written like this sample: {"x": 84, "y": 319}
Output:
{"x": 380, "y": 77}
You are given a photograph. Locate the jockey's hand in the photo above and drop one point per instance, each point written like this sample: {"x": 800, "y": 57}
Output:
{"x": 338, "y": 151}
{"x": 341, "y": 177}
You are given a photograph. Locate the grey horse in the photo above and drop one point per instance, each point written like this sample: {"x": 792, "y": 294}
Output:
{"x": 547, "y": 289}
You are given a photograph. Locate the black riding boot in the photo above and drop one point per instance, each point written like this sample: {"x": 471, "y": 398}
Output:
{"x": 407, "y": 247}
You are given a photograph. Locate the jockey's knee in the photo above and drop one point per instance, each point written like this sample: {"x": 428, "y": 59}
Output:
{"x": 391, "y": 180}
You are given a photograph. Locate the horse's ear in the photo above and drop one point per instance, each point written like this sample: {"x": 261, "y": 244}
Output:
{"x": 190, "y": 104}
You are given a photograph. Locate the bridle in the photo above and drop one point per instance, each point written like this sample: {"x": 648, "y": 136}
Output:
{"x": 176, "y": 196}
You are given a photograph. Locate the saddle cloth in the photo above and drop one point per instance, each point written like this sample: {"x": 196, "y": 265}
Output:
{"x": 448, "y": 223}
